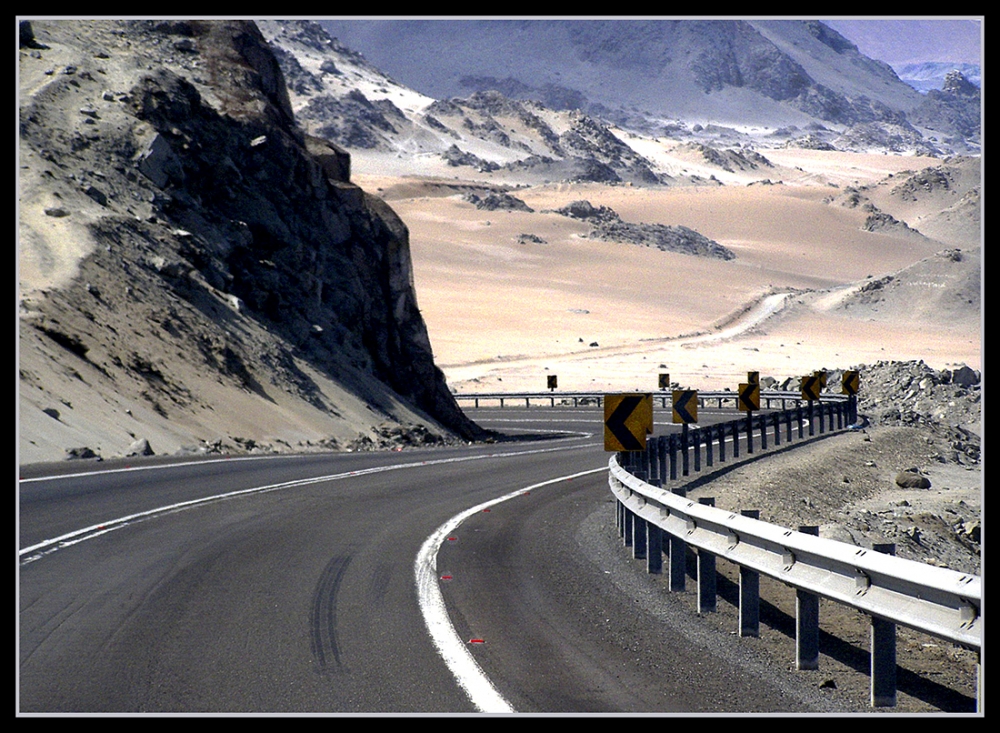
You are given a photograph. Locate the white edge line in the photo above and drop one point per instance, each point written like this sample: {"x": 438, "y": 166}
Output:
{"x": 467, "y": 672}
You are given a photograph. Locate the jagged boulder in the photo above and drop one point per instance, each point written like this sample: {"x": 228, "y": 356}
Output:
{"x": 912, "y": 479}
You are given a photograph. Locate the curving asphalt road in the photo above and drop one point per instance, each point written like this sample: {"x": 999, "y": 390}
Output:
{"x": 292, "y": 585}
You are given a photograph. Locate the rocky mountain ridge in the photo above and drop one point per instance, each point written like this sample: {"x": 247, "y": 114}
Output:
{"x": 648, "y": 76}
{"x": 186, "y": 249}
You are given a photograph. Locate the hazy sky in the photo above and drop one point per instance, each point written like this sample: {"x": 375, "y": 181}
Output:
{"x": 902, "y": 41}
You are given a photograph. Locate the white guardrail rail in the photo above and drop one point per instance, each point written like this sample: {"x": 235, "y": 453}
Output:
{"x": 891, "y": 590}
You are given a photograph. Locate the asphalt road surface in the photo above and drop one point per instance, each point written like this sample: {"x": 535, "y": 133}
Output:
{"x": 477, "y": 579}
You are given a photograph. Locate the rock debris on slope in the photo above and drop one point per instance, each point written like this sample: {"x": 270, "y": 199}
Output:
{"x": 182, "y": 238}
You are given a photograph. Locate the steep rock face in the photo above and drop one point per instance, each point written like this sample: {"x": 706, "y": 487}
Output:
{"x": 197, "y": 175}
{"x": 954, "y": 111}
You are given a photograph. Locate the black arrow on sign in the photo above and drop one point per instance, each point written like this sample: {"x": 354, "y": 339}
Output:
{"x": 680, "y": 407}
{"x": 747, "y": 397}
{"x": 616, "y": 422}
{"x": 811, "y": 387}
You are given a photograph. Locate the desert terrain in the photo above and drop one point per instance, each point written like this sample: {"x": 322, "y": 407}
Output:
{"x": 503, "y": 308}
{"x": 842, "y": 260}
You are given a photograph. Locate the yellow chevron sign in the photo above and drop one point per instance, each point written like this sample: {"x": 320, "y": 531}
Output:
{"x": 811, "y": 387}
{"x": 685, "y": 406}
{"x": 749, "y": 397}
{"x": 628, "y": 418}
{"x": 850, "y": 382}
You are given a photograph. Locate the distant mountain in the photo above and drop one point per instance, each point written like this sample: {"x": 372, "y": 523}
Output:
{"x": 931, "y": 74}
{"x": 337, "y": 95}
{"x": 643, "y": 74}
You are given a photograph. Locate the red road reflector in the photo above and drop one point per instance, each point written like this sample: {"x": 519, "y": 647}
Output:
{"x": 446, "y": 577}
{"x": 485, "y": 510}
{"x": 453, "y": 539}
{"x": 477, "y": 641}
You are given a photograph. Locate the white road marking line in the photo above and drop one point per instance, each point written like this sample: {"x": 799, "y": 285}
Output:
{"x": 467, "y": 672}
{"x": 50, "y": 545}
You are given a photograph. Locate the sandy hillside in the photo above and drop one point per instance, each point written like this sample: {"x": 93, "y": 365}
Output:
{"x": 504, "y": 310}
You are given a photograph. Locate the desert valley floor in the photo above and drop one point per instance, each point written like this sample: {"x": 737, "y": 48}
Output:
{"x": 505, "y": 310}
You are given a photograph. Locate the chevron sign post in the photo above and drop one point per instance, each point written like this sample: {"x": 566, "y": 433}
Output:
{"x": 811, "y": 387}
{"x": 748, "y": 400}
{"x": 628, "y": 418}
{"x": 850, "y": 384}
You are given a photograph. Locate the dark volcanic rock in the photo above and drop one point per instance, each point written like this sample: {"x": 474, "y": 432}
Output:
{"x": 497, "y": 201}
{"x": 608, "y": 226}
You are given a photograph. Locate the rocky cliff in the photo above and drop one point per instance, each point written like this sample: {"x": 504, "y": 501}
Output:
{"x": 186, "y": 250}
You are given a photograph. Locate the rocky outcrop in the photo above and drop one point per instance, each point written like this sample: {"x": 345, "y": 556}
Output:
{"x": 954, "y": 112}
{"x": 214, "y": 217}
{"x": 455, "y": 156}
{"x": 497, "y": 201}
{"x": 608, "y": 226}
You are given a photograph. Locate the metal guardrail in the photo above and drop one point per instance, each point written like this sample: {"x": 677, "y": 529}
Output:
{"x": 939, "y": 602}
{"x": 768, "y": 397}
{"x": 942, "y": 603}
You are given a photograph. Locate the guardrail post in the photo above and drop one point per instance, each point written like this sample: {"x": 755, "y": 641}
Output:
{"x": 661, "y": 455}
{"x": 678, "y": 556}
{"x": 883, "y": 652}
{"x": 721, "y": 430}
{"x": 708, "y": 445}
{"x": 799, "y": 418}
{"x": 776, "y": 424}
{"x": 654, "y": 542}
{"x": 763, "y": 432}
{"x": 627, "y": 525}
{"x": 749, "y": 610}
{"x": 652, "y": 454}
{"x": 735, "y": 424}
{"x": 673, "y": 456}
{"x": 807, "y": 621}
{"x": 749, "y": 433}
{"x": 696, "y": 446}
{"x": 638, "y": 537}
{"x": 684, "y": 449}
{"x": 706, "y": 573}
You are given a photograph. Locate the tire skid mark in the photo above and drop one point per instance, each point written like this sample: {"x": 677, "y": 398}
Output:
{"x": 323, "y": 616}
